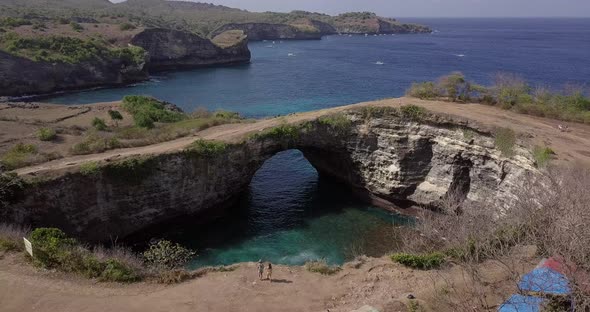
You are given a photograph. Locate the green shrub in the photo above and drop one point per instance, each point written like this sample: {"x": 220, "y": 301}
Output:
{"x": 542, "y": 155}
{"x": 94, "y": 143}
{"x": 505, "y": 140}
{"x": 8, "y": 245}
{"x": 115, "y": 116}
{"x": 76, "y": 27}
{"x": 46, "y": 134}
{"x": 51, "y": 247}
{"x": 99, "y": 124}
{"x": 510, "y": 90}
{"x": 339, "y": 122}
{"x": 116, "y": 271}
{"x": 207, "y": 148}
{"x": 227, "y": 115}
{"x": 455, "y": 86}
{"x": 422, "y": 261}
{"x": 90, "y": 168}
{"x": 13, "y": 22}
{"x": 413, "y": 112}
{"x": 19, "y": 155}
{"x": 424, "y": 90}
{"x": 320, "y": 266}
{"x": 146, "y": 111}
{"x": 126, "y": 26}
{"x": 282, "y": 132}
{"x": 167, "y": 255}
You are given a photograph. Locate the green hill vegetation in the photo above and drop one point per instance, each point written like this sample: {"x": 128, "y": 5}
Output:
{"x": 200, "y": 18}
{"x": 67, "y": 49}
{"x": 510, "y": 92}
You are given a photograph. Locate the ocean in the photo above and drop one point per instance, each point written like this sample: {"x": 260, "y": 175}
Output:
{"x": 289, "y": 214}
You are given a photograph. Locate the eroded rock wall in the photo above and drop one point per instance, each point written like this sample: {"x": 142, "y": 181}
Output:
{"x": 21, "y": 76}
{"x": 171, "y": 49}
{"x": 380, "y": 154}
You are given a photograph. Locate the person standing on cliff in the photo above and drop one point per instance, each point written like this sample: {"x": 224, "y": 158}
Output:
{"x": 269, "y": 272}
{"x": 260, "y": 269}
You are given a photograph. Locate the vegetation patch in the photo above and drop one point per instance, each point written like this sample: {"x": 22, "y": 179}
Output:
{"x": 542, "y": 155}
{"x": 167, "y": 255}
{"x": 420, "y": 261}
{"x": 322, "y": 267}
{"x": 369, "y": 112}
{"x": 146, "y": 111}
{"x": 338, "y": 122}
{"x": 281, "y": 133}
{"x": 11, "y": 237}
{"x": 206, "y": 148}
{"x": 13, "y": 22}
{"x": 46, "y": 134}
{"x": 95, "y": 143}
{"x": 511, "y": 92}
{"x": 99, "y": 124}
{"x": 90, "y": 168}
{"x": 413, "y": 112}
{"x": 53, "y": 249}
{"x": 132, "y": 170}
{"x": 20, "y": 155}
{"x": 60, "y": 49}
{"x": 505, "y": 140}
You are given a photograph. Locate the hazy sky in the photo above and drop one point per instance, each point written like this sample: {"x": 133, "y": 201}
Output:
{"x": 420, "y": 8}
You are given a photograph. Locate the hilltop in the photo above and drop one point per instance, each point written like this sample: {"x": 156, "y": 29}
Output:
{"x": 200, "y": 18}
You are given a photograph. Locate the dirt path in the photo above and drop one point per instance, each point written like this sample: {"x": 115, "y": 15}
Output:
{"x": 376, "y": 282}
{"x": 570, "y": 146}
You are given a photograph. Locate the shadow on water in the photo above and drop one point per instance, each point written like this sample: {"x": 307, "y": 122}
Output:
{"x": 289, "y": 215}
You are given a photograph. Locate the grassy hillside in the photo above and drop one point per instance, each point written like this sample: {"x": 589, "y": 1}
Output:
{"x": 201, "y": 18}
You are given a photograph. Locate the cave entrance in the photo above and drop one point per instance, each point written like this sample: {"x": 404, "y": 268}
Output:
{"x": 290, "y": 214}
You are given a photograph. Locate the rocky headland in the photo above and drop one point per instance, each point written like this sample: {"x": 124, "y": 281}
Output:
{"x": 391, "y": 156}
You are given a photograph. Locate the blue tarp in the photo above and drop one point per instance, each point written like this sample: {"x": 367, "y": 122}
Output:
{"x": 520, "y": 303}
{"x": 546, "y": 281}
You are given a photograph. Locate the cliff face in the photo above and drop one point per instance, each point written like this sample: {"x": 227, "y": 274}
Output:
{"x": 21, "y": 76}
{"x": 171, "y": 49}
{"x": 382, "y": 155}
{"x": 265, "y": 31}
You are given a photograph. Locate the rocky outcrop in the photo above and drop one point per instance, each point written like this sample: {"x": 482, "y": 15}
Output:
{"x": 21, "y": 76}
{"x": 383, "y": 155}
{"x": 171, "y": 49}
{"x": 266, "y": 31}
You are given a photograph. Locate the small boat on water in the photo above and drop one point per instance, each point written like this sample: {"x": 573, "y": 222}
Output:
{"x": 379, "y": 63}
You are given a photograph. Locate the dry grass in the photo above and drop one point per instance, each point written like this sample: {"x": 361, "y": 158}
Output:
{"x": 11, "y": 237}
{"x": 551, "y": 213}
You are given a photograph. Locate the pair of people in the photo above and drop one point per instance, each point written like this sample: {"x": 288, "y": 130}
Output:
{"x": 261, "y": 270}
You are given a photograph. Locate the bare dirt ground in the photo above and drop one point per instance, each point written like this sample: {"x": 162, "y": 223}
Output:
{"x": 377, "y": 282}
{"x": 19, "y": 123}
{"x": 572, "y": 146}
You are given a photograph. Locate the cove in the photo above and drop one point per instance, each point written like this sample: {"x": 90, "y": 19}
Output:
{"x": 291, "y": 215}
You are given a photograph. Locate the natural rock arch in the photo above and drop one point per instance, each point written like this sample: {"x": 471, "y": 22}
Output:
{"x": 384, "y": 155}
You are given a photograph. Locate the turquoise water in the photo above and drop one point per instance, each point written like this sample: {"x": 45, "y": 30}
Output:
{"x": 289, "y": 214}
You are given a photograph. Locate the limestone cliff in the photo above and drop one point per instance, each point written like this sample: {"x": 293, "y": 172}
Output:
{"x": 171, "y": 49}
{"x": 266, "y": 31}
{"x": 382, "y": 154}
{"x": 21, "y": 76}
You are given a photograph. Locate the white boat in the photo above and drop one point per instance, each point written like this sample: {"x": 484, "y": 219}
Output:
{"x": 379, "y": 63}
{"x": 291, "y": 54}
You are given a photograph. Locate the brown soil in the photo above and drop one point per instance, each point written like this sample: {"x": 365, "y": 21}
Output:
{"x": 377, "y": 282}
{"x": 572, "y": 146}
{"x": 19, "y": 123}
